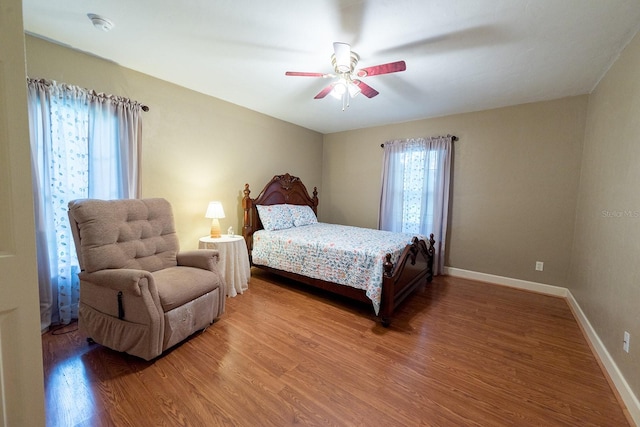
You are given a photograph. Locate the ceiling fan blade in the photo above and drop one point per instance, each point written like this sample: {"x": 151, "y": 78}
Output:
{"x": 304, "y": 74}
{"x": 365, "y": 89}
{"x": 324, "y": 92}
{"x": 391, "y": 67}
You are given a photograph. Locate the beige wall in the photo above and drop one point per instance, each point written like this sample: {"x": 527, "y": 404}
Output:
{"x": 605, "y": 269}
{"x": 196, "y": 148}
{"x": 515, "y": 179}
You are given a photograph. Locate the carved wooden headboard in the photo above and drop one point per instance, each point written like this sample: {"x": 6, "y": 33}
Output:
{"x": 281, "y": 189}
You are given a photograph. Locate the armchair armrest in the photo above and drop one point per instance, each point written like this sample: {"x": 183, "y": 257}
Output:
{"x": 205, "y": 259}
{"x": 121, "y": 309}
{"x": 126, "y": 280}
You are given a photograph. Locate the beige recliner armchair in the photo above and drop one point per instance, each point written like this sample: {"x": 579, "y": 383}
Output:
{"x": 138, "y": 293}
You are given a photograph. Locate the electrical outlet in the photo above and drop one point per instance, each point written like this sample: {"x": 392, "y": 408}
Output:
{"x": 539, "y": 265}
{"x": 625, "y": 342}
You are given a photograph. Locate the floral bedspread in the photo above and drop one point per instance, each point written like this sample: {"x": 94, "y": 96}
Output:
{"x": 350, "y": 256}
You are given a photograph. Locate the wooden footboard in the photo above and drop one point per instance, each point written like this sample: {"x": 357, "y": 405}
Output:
{"x": 413, "y": 268}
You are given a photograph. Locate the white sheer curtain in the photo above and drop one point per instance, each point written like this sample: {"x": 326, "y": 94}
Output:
{"x": 84, "y": 145}
{"x": 415, "y": 189}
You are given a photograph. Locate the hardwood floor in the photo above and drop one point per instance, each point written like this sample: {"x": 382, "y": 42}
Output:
{"x": 459, "y": 353}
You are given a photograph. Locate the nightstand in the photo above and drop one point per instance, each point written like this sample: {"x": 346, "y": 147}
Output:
{"x": 233, "y": 262}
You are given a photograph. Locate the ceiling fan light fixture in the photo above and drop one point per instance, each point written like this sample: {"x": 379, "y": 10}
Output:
{"x": 353, "y": 89}
{"x": 339, "y": 90}
{"x": 100, "y": 22}
{"x": 343, "y": 90}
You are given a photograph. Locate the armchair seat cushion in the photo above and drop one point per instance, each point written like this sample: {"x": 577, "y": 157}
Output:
{"x": 174, "y": 292}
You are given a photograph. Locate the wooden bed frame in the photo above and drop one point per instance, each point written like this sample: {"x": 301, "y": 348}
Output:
{"x": 414, "y": 267}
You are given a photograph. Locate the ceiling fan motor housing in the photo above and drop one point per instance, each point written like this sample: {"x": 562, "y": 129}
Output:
{"x": 343, "y": 59}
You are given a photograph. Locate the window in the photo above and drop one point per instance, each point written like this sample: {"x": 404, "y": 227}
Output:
{"x": 418, "y": 190}
{"x": 84, "y": 145}
{"x": 415, "y": 189}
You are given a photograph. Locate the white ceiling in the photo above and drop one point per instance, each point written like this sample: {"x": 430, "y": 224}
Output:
{"x": 461, "y": 55}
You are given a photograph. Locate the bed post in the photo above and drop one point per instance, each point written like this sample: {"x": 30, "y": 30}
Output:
{"x": 388, "y": 291}
{"x": 315, "y": 200}
{"x": 432, "y": 251}
{"x": 247, "y": 227}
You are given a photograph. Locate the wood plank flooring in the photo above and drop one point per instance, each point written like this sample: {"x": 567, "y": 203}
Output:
{"x": 459, "y": 353}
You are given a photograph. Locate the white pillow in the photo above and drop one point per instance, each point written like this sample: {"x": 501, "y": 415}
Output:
{"x": 302, "y": 215}
{"x": 275, "y": 217}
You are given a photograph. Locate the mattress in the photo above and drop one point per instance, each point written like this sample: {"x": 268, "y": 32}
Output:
{"x": 345, "y": 255}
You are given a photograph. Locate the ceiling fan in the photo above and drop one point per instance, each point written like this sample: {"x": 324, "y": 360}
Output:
{"x": 348, "y": 83}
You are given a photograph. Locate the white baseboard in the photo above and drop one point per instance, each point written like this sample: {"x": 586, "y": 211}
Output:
{"x": 626, "y": 394}
{"x": 507, "y": 281}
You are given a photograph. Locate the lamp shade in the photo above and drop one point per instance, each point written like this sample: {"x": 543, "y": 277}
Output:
{"x": 214, "y": 210}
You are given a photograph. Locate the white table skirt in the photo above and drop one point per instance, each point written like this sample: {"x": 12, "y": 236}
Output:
{"x": 233, "y": 261}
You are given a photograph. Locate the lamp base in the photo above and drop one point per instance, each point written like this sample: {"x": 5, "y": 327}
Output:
{"x": 215, "y": 228}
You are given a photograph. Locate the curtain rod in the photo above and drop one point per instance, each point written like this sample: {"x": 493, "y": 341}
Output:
{"x": 91, "y": 92}
{"x": 453, "y": 138}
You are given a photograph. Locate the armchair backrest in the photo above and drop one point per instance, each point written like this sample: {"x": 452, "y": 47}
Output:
{"x": 131, "y": 233}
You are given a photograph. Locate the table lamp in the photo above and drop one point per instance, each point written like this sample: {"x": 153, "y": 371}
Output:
{"x": 215, "y": 211}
